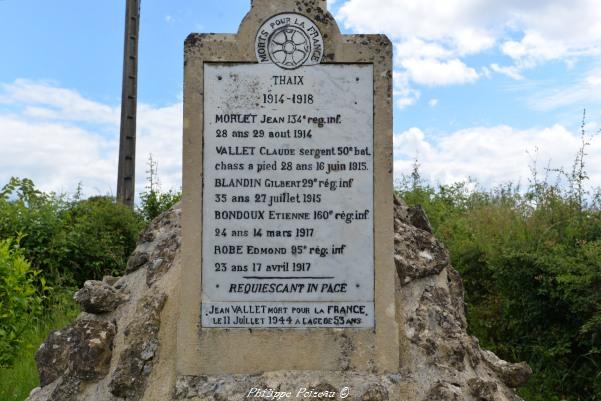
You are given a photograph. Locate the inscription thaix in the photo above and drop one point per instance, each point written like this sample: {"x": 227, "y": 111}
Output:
{"x": 288, "y": 196}
{"x": 289, "y": 40}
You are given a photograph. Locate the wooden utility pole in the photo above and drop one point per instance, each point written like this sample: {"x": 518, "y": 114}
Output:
{"x": 127, "y": 144}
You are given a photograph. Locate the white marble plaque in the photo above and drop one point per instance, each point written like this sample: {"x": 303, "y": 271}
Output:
{"x": 288, "y": 196}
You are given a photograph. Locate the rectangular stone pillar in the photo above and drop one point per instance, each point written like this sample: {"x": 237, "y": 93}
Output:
{"x": 287, "y": 209}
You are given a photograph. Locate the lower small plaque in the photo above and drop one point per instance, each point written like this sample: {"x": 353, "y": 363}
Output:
{"x": 290, "y": 315}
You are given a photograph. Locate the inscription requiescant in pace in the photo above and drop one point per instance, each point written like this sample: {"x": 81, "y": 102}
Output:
{"x": 288, "y": 196}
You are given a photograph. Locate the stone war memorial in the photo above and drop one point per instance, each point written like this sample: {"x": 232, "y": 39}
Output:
{"x": 289, "y": 271}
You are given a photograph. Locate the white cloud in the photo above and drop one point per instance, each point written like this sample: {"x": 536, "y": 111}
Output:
{"x": 56, "y": 156}
{"x": 533, "y": 49}
{"x": 433, "y": 102}
{"x": 575, "y": 23}
{"x": 429, "y": 19}
{"x": 491, "y": 155}
{"x": 404, "y": 94}
{"x": 160, "y": 134}
{"x": 472, "y": 40}
{"x": 43, "y": 138}
{"x": 48, "y": 101}
{"x": 415, "y": 47}
{"x": 448, "y": 30}
{"x": 584, "y": 91}
{"x": 405, "y": 101}
{"x": 411, "y": 144}
{"x": 594, "y": 79}
{"x": 430, "y": 37}
{"x": 474, "y": 25}
{"x": 511, "y": 71}
{"x": 433, "y": 72}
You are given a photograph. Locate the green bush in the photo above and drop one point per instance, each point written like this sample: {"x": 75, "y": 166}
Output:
{"x": 69, "y": 240}
{"x": 20, "y": 300}
{"x": 96, "y": 239}
{"x": 63, "y": 242}
{"x": 37, "y": 217}
{"x": 531, "y": 264}
{"x": 153, "y": 203}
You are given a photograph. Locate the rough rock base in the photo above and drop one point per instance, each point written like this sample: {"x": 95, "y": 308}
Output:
{"x": 123, "y": 350}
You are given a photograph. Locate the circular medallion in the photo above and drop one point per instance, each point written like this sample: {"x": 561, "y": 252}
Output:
{"x": 289, "y": 41}
{"x": 289, "y": 47}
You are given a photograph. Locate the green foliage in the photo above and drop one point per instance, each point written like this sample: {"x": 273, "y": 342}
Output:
{"x": 62, "y": 242}
{"x": 20, "y": 300}
{"x": 531, "y": 264}
{"x": 36, "y": 216}
{"x": 69, "y": 240}
{"x": 17, "y": 381}
{"x": 153, "y": 202}
{"x": 96, "y": 239}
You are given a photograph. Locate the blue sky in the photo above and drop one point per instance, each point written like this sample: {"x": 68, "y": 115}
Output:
{"x": 482, "y": 87}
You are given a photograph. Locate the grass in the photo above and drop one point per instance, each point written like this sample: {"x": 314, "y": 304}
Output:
{"x": 17, "y": 382}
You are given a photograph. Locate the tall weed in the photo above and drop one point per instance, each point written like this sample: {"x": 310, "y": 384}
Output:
{"x": 531, "y": 264}
{"x": 20, "y": 299}
{"x": 153, "y": 202}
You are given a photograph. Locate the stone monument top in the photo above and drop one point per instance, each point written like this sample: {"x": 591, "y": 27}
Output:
{"x": 287, "y": 207}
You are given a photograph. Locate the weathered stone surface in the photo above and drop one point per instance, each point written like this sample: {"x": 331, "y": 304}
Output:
{"x": 64, "y": 389}
{"x": 419, "y": 219}
{"x": 455, "y": 285}
{"x": 99, "y": 297}
{"x": 110, "y": 280}
{"x": 157, "y": 246}
{"x": 67, "y": 389}
{"x": 136, "y": 261}
{"x": 77, "y": 360}
{"x": 440, "y": 360}
{"x": 375, "y": 393}
{"x": 360, "y": 386}
{"x": 482, "y": 389}
{"x": 136, "y": 361}
{"x": 401, "y": 213}
{"x": 90, "y": 356}
{"x": 83, "y": 350}
{"x": 435, "y": 323}
{"x": 444, "y": 392}
{"x": 417, "y": 253}
{"x": 323, "y": 391}
{"x": 512, "y": 374}
{"x": 437, "y": 330}
{"x": 53, "y": 355}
